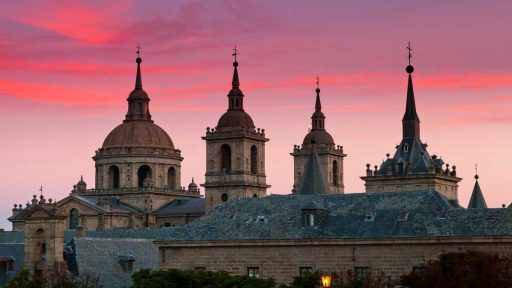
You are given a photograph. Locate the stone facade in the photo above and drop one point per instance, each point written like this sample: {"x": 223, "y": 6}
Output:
{"x": 282, "y": 260}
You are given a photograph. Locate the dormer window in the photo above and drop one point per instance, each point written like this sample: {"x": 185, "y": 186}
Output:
{"x": 402, "y": 216}
{"x": 308, "y": 217}
{"x": 126, "y": 262}
{"x": 406, "y": 147}
{"x": 370, "y": 216}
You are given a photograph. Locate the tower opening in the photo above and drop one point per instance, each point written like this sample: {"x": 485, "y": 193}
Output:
{"x": 144, "y": 176}
{"x": 171, "y": 178}
{"x": 113, "y": 172}
{"x": 40, "y": 249}
{"x": 226, "y": 159}
{"x": 254, "y": 159}
{"x": 335, "y": 172}
{"x": 73, "y": 218}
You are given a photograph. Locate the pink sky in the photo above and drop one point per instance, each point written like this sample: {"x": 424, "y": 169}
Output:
{"x": 68, "y": 66}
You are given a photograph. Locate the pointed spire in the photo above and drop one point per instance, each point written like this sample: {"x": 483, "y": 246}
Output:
{"x": 235, "y": 96}
{"x": 410, "y": 121}
{"x": 318, "y": 118}
{"x": 477, "y": 198}
{"x": 138, "y": 101}
{"x": 313, "y": 181}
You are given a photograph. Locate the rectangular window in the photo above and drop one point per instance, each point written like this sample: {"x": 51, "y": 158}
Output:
{"x": 253, "y": 272}
{"x": 308, "y": 217}
{"x": 305, "y": 270}
{"x": 418, "y": 269}
{"x": 361, "y": 273}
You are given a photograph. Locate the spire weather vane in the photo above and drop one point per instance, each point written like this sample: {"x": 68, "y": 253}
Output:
{"x": 41, "y": 190}
{"x": 235, "y": 53}
{"x": 410, "y": 49}
{"x": 138, "y": 50}
{"x": 476, "y": 168}
{"x": 317, "y": 81}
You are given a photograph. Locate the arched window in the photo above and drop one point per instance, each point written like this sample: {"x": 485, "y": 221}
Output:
{"x": 254, "y": 159}
{"x": 335, "y": 172}
{"x": 141, "y": 110}
{"x": 113, "y": 173}
{"x": 237, "y": 103}
{"x": 73, "y": 218}
{"x": 225, "y": 151}
{"x": 144, "y": 176}
{"x": 171, "y": 178}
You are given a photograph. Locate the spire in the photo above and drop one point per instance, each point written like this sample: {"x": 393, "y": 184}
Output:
{"x": 318, "y": 118}
{"x": 313, "y": 181}
{"x": 235, "y": 96}
{"x": 410, "y": 121}
{"x": 138, "y": 101}
{"x": 477, "y": 198}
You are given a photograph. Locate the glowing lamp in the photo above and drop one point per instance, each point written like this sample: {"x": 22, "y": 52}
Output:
{"x": 326, "y": 281}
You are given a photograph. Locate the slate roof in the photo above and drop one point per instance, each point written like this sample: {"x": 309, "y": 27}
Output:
{"x": 182, "y": 207}
{"x": 313, "y": 181}
{"x": 11, "y": 246}
{"x": 424, "y": 213}
{"x": 107, "y": 254}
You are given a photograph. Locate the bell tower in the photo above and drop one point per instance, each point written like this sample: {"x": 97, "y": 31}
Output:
{"x": 235, "y": 153}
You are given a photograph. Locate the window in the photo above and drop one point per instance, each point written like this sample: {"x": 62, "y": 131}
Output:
{"x": 406, "y": 147}
{"x": 370, "y": 216}
{"x": 253, "y": 272}
{"x": 224, "y": 197}
{"x": 418, "y": 269}
{"x": 226, "y": 159}
{"x": 126, "y": 261}
{"x": 171, "y": 178}
{"x": 73, "y": 218}
{"x": 361, "y": 273}
{"x": 308, "y": 217}
{"x": 335, "y": 172}
{"x": 10, "y": 264}
{"x": 402, "y": 216}
{"x": 113, "y": 173}
{"x": 254, "y": 159}
{"x": 305, "y": 270}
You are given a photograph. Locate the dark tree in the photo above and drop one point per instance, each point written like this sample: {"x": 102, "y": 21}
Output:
{"x": 469, "y": 270}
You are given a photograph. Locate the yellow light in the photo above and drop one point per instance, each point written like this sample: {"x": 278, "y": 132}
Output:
{"x": 326, "y": 281}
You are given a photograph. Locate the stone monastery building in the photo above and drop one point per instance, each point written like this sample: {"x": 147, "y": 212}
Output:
{"x": 140, "y": 216}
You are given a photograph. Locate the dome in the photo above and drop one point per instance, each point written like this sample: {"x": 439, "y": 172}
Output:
{"x": 138, "y": 94}
{"x": 138, "y": 134}
{"x": 235, "y": 118}
{"x": 320, "y": 136}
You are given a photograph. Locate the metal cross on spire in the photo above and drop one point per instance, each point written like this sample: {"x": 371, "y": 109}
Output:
{"x": 235, "y": 53}
{"x": 41, "y": 190}
{"x": 138, "y": 50}
{"x": 317, "y": 81}
{"x": 476, "y": 168}
{"x": 410, "y": 54}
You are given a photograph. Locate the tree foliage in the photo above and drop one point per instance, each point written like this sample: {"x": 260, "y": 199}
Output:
{"x": 469, "y": 270}
{"x": 53, "y": 279}
{"x": 174, "y": 278}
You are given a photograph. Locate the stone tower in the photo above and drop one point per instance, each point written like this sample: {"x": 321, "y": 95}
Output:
{"x": 235, "y": 153}
{"x": 330, "y": 156}
{"x": 412, "y": 168}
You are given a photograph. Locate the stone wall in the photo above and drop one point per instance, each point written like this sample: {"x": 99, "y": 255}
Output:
{"x": 282, "y": 260}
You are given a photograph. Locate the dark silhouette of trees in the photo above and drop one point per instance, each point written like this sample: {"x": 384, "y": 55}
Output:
{"x": 469, "y": 270}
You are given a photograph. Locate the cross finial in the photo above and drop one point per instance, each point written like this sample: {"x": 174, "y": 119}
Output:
{"x": 410, "y": 54}
{"x": 235, "y": 53}
{"x": 317, "y": 81}
{"x": 476, "y": 168}
{"x": 138, "y": 50}
{"x": 41, "y": 189}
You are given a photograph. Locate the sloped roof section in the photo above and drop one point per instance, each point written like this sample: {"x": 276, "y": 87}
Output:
{"x": 194, "y": 206}
{"x": 313, "y": 182}
{"x": 477, "y": 198}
